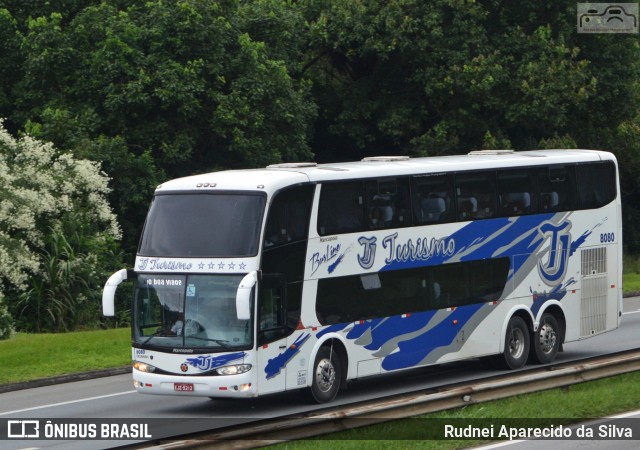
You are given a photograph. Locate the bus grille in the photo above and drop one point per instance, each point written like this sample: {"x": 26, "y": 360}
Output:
{"x": 593, "y": 308}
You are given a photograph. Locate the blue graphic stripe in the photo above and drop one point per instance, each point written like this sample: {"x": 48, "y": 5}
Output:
{"x": 413, "y": 351}
{"x": 275, "y": 365}
{"x": 396, "y": 326}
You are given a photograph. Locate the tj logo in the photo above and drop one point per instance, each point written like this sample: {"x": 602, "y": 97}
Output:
{"x": 559, "y": 251}
{"x": 369, "y": 254}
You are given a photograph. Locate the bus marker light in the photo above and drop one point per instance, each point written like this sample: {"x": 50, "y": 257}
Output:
{"x": 404, "y": 316}
{"x": 245, "y": 387}
{"x": 613, "y": 286}
{"x": 222, "y": 388}
{"x": 455, "y": 321}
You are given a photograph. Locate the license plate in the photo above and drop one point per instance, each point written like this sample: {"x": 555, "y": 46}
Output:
{"x": 183, "y": 387}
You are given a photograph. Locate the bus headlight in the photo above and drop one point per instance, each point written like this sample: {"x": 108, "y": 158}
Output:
{"x": 233, "y": 370}
{"x": 143, "y": 367}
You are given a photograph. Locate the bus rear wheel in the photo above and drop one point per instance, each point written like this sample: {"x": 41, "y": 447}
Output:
{"x": 516, "y": 345}
{"x": 326, "y": 376}
{"x": 546, "y": 341}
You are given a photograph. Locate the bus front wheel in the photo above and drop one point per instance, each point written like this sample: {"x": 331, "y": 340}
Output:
{"x": 546, "y": 341}
{"x": 326, "y": 376}
{"x": 516, "y": 345}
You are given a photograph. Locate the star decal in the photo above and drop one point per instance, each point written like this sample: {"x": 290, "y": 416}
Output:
{"x": 221, "y": 265}
{"x": 211, "y": 265}
{"x": 201, "y": 266}
{"x": 232, "y": 265}
{"x": 243, "y": 266}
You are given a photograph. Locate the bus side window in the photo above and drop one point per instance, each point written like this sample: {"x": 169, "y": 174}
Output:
{"x": 596, "y": 184}
{"x": 271, "y": 310}
{"x": 341, "y": 208}
{"x": 288, "y": 219}
{"x": 516, "y": 192}
{"x": 557, "y": 188}
{"x": 476, "y": 192}
{"x": 432, "y": 199}
{"x": 387, "y": 201}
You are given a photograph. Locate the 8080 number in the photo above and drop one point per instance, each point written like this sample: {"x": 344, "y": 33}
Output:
{"x": 607, "y": 237}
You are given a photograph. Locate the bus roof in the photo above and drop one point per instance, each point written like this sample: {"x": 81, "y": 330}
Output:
{"x": 278, "y": 176}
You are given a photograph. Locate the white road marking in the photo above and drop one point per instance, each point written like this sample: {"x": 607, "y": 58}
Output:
{"x": 66, "y": 403}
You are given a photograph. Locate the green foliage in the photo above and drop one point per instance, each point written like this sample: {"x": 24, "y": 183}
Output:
{"x": 438, "y": 76}
{"x": 57, "y": 236}
{"x": 158, "y": 89}
{"x": 65, "y": 295}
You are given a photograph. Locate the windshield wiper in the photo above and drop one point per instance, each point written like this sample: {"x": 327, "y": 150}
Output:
{"x": 161, "y": 333}
{"x": 156, "y": 334}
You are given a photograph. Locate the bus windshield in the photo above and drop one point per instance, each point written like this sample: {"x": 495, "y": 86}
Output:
{"x": 189, "y": 311}
{"x": 203, "y": 225}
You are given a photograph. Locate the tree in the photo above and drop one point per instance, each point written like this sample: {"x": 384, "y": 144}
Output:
{"x": 430, "y": 78}
{"x": 157, "y": 90}
{"x": 57, "y": 236}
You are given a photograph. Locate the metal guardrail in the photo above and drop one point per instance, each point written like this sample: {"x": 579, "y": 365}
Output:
{"x": 267, "y": 432}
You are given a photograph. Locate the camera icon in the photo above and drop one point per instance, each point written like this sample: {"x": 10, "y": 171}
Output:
{"x": 23, "y": 429}
{"x": 607, "y": 18}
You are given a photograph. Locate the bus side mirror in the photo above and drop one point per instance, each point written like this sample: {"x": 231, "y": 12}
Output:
{"x": 243, "y": 296}
{"x": 109, "y": 291}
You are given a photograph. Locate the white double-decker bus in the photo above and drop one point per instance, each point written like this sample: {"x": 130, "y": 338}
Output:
{"x": 296, "y": 276}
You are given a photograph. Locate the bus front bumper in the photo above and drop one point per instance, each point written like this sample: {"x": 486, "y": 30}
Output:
{"x": 231, "y": 386}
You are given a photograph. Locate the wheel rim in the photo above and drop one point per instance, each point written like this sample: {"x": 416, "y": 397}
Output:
{"x": 516, "y": 343}
{"x": 547, "y": 338}
{"x": 325, "y": 375}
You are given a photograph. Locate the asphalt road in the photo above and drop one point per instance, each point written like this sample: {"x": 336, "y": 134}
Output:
{"x": 114, "y": 397}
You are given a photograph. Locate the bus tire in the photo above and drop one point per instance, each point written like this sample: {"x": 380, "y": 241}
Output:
{"x": 545, "y": 342}
{"x": 326, "y": 376}
{"x": 516, "y": 345}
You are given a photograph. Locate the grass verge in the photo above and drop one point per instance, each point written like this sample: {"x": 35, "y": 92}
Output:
{"x": 566, "y": 405}
{"x": 31, "y": 356}
{"x": 631, "y": 274}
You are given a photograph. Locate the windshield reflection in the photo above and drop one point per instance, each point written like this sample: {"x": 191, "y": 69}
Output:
{"x": 191, "y": 311}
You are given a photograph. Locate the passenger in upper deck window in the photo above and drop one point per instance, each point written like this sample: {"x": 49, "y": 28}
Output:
{"x": 375, "y": 218}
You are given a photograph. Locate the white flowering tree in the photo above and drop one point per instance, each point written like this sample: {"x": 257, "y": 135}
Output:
{"x": 57, "y": 237}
